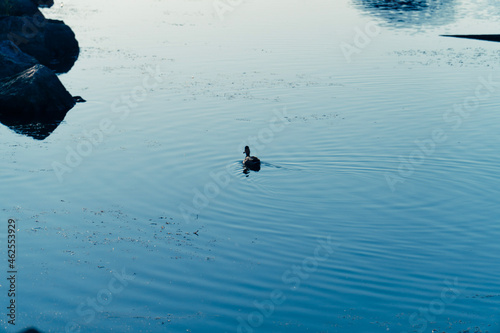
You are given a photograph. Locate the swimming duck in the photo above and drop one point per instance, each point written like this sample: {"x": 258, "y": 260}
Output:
{"x": 251, "y": 162}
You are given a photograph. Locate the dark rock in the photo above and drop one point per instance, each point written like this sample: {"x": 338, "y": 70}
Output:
{"x": 79, "y": 99}
{"x": 34, "y": 102}
{"x": 32, "y": 99}
{"x": 19, "y": 8}
{"x": 44, "y": 3}
{"x": 51, "y": 42}
{"x": 13, "y": 60}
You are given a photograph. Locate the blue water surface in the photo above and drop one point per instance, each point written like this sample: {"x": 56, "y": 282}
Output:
{"x": 375, "y": 210}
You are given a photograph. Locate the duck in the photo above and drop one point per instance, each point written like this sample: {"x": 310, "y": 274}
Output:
{"x": 250, "y": 162}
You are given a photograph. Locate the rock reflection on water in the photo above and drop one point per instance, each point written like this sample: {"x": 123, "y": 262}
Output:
{"x": 38, "y": 131}
{"x": 410, "y": 14}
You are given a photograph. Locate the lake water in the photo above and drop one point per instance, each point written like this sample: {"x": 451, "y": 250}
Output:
{"x": 376, "y": 208}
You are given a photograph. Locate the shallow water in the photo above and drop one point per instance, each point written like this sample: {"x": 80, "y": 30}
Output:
{"x": 363, "y": 154}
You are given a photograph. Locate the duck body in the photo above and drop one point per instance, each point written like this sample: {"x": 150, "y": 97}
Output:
{"x": 251, "y": 162}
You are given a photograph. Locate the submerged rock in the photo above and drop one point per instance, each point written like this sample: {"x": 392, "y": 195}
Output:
{"x": 51, "y": 42}
{"x": 34, "y": 102}
{"x": 30, "y": 330}
{"x": 490, "y": 38}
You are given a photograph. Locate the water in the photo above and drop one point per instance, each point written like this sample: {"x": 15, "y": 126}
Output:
{"x": 161, "y": 199}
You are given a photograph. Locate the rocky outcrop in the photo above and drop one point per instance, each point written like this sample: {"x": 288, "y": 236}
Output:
{"x": 32, "y": 49}
{"x": 34, "y": 97}
{"x": 12, "y": 60}
{"x": 51, "y": 42}
{"x": 35, "y": 94}
{"x": 44, "y": 3}
{"x": 23, "y": 7}
{"x": 19, "y": 7}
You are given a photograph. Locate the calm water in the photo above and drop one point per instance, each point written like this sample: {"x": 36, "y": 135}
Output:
{"x": 376, "y": 208}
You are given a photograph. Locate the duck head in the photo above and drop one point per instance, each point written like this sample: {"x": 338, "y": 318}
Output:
{"x": 247, "y": 151}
